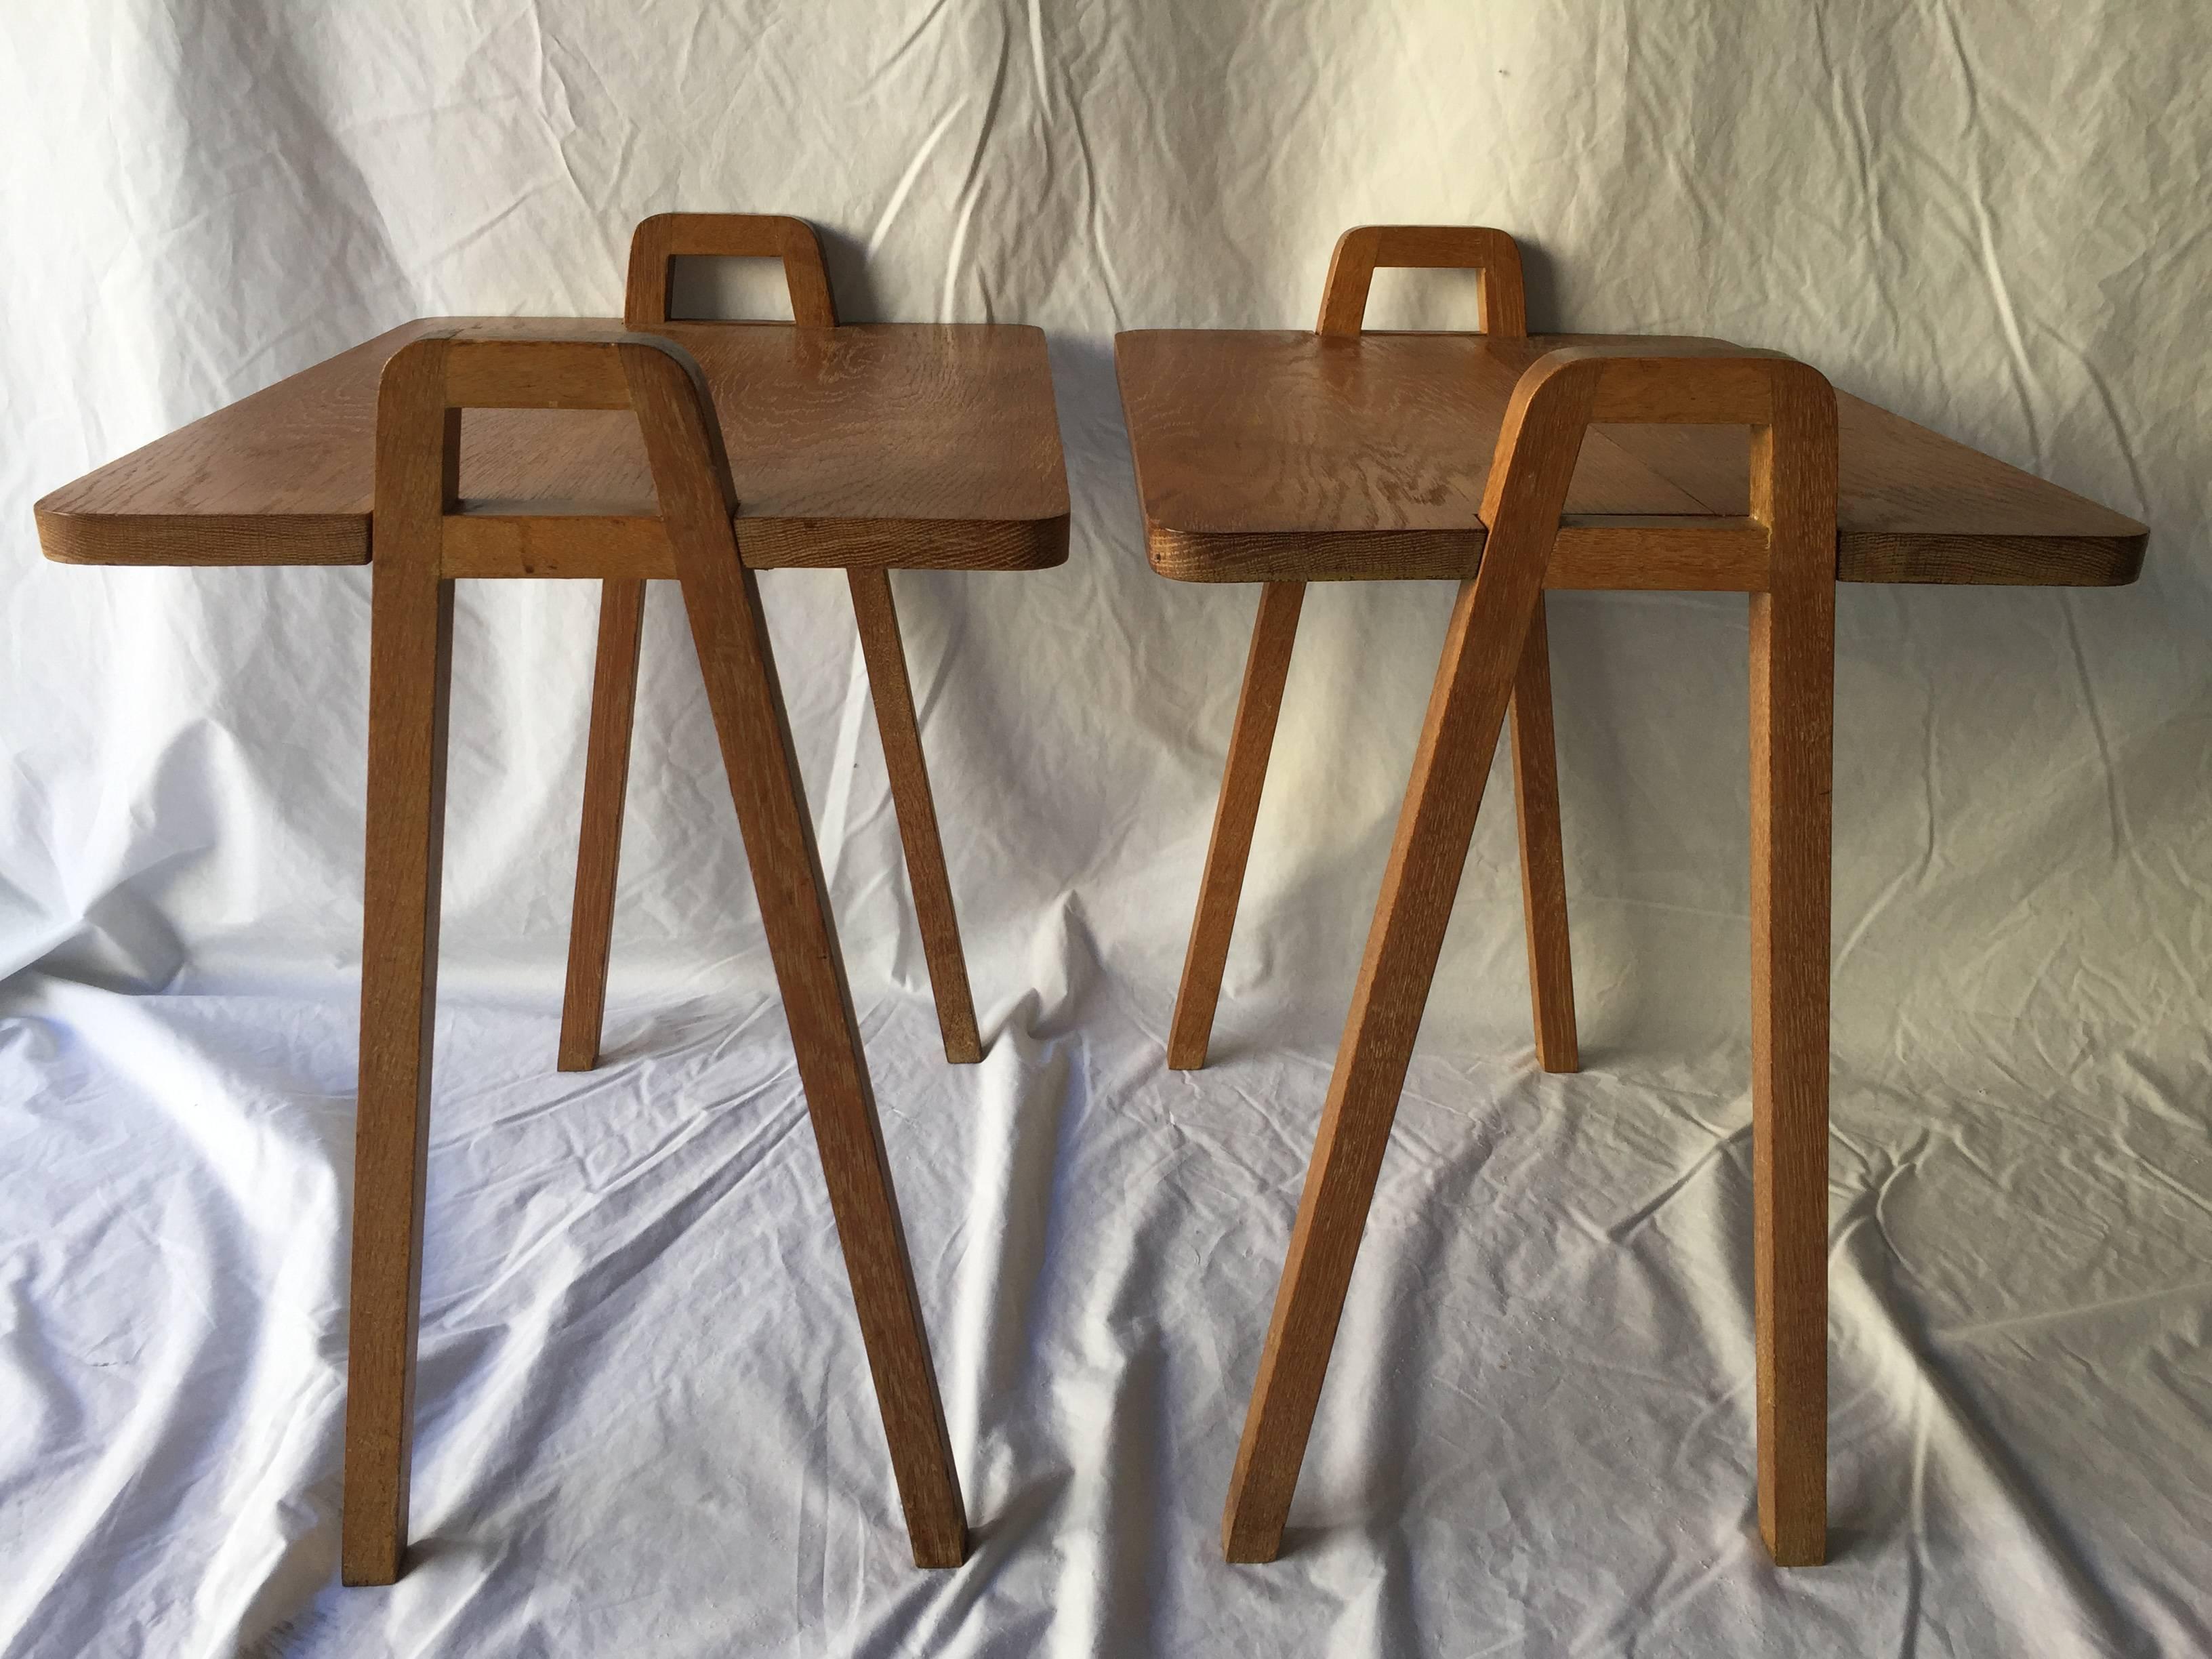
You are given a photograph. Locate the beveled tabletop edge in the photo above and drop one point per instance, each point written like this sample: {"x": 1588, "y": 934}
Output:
{"x": 1432, "y": 555}
{"x": 202, "y": 541}
{"x": 144, "y": 541}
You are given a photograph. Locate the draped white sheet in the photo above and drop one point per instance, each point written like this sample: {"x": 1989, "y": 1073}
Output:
{"x": 645, "y": 1424}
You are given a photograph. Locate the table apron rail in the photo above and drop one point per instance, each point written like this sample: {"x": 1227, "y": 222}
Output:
{"x": 555, "y": 544}
{"x": 1660, "y": 552}
{"x": 1713, "y": 556}
{"x": 503, "y": 542}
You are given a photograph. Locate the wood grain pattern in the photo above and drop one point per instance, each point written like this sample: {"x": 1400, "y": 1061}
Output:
{"x": 1505, "y": 313}
{"x": 1543, "y": 859}
{"x": 552, "y": 542}
{"x": 598, "y": 846}
{"x": 1343, "y": 311}
{"x": 891, "y": 445}
{"x": 409, "y": 681}
{"x": 418, "y": 468}
{"x": 508, "y": 542}
{"x": 892, "y": 693}
{"x": 1793, "y": 669}
{"x": 722, "y": 601}
{"x": 1365, "y": 249}
{"x": 1266, "y": 667}
{"x": 658, "y": 242}
{"x": 1291, "y": 457}
{"x": 1474, "y": 681}
{"x": 1790, "y": 411}
{"x": 532, "y": 372}
{"x": 611, "y": 539}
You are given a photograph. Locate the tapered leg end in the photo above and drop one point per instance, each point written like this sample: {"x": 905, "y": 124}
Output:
{"x": 1247, "y": 1541}
{"x": 1801, "y": 1542}
{"x": 1561, "y": 1059}
{"x": 367, "y": 1563}
{"x": 939, "y": 1546}
{"x": 964, "y": 1045}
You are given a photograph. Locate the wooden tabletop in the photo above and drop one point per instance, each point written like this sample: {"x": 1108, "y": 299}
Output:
{"x": 877, "y": 445}
{"x": 1297, "y": 456}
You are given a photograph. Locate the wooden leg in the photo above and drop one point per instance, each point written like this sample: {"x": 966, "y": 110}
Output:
{"x": 1466, "y": 710}
{"x": 1792, "y": 725}
{"x": 1543, "y": 861}
{"x": 747, "y": 701}
{"x": 893, "y": 693}
{"x": 1266, "y": 668}
{"x": 411, "y": 668}
{"x": 599, "y": 850}
{"x": 722, "y": 601}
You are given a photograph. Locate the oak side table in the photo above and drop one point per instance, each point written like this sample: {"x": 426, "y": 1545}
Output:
{"x": 702, "y": 454}
{"x": 1516, "y": 464}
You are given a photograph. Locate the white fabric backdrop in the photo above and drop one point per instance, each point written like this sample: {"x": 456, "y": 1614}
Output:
{"x": 645, "y": 1422}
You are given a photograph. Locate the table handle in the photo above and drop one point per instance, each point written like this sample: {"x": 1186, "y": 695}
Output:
{"x": 1362, "y": 250}
{"x": 660, "y": 241}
